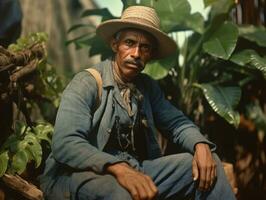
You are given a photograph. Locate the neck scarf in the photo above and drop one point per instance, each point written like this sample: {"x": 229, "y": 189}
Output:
{"x": 127, "y": 91}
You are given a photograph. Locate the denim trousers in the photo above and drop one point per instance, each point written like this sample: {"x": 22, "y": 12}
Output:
{"x": 171, "y": 174}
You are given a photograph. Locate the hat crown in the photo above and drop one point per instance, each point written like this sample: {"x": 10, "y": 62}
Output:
{"x": 141, "y": 14}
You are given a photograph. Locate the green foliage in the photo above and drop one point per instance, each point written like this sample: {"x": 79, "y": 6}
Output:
{"x": 90, "y": 39}
{"x": 24, "y": 146}
{"x": 28, "y": 41}
{"x": 159, "y": 69}
{"x": 219, "y": 6}
{"x": 212, "y": 58}
{"x": 3, "y": 162}
{"x": 47, "y": 85}
{"x": 223, "y": 42}
{"x": 223, "y": 100}
{"x": 254, "y": 34}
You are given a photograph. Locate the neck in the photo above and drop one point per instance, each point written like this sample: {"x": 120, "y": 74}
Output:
{"x": 117, "y": 74}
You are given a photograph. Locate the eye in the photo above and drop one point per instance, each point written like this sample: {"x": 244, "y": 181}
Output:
{"x": 129, "y": 42}
{"x": 146, "y": 48}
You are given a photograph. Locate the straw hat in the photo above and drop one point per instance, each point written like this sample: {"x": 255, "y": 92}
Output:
{"x": 139, "y": 17}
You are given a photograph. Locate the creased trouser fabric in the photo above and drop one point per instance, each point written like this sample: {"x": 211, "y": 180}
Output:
{"x": 171, "y": 174}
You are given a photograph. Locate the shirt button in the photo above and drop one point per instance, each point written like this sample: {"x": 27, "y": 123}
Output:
{"x": 109, "y": 130}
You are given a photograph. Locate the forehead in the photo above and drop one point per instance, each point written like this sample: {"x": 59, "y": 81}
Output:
{"x": 137, "y": 34}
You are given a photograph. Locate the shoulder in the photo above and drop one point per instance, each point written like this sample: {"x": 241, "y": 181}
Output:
{"x": 146, "y": 79}
{"x": 82, "y": 83}
{"x": 148, "y": 83}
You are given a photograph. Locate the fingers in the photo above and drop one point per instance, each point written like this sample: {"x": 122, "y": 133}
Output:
{"x": 147, "y": 190}
{"x": 207, "y": 176}
{"x": 213, "y": 175}
{"x": 195, "y": 171}
{"x": 139, "y": 185}
{"x": 206, "y": 167}
{"x": 202, "y": 178}
{"x": 152, "y": 186}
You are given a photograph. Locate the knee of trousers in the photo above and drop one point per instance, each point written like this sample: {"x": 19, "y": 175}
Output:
{"x": 106, "y": 188}
{"x": 179, "y": 165}
{"x": 219, "y": 168}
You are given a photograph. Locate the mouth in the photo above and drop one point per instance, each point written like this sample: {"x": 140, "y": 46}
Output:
{"x": 134, "y": 65}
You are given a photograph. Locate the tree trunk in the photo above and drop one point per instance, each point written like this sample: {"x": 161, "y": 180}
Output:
{"x": 55, "y": 18}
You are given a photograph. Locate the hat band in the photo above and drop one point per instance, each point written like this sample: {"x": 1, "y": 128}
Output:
{"x": 141, "y": 21}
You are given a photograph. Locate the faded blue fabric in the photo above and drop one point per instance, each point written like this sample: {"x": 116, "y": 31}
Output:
{"x": 82, "y": 133}
{"x": 171, "y": 174}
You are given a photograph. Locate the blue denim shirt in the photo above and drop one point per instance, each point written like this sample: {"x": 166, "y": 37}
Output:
{"x": 81, "y": 133}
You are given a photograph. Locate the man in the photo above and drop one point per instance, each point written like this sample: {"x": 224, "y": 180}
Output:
{"x": 110, "y": 150}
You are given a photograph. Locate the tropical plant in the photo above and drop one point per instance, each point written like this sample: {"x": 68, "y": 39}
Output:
{"x": 28, "y": 81}
{"x": 213, "y": 65}
{"x": 24, "y": 146}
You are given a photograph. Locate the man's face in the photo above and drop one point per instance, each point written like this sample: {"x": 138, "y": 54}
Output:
{"x": 133, "y": 49}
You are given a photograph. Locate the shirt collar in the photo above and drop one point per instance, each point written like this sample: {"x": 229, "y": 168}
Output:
{"x": 107, "y": 75}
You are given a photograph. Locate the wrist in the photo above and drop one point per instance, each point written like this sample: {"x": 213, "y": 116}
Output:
{"x": 117, "y": 168}
{"x": 201, "y": 145}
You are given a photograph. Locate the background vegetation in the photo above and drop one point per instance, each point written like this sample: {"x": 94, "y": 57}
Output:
{"x": 217, "y": 77}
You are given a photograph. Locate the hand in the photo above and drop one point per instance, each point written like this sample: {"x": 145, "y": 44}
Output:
{"x": 203, "y": 167}
{"x": 139, "y": 185}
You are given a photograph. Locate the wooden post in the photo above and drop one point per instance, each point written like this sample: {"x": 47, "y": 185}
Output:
{"x": 21, "y": 186}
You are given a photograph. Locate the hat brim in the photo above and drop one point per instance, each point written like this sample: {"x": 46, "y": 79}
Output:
{"x": 166, "y": 46}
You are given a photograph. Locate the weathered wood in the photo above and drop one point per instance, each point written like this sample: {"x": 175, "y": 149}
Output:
{"x": 24, "y": 71}
{"x": 23, "y": 57}
{"x": 2, "y": 194}
{"x": 20, "y": 185}
{"x": 229, "y": 172}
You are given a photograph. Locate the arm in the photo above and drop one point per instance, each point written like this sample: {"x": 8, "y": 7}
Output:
{"x": 180, "y": 130}
{"x": 173, "y": 123}
{"x": 70, "y": 145}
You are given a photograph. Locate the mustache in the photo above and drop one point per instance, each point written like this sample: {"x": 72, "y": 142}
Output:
{"x": 135, "y": 62}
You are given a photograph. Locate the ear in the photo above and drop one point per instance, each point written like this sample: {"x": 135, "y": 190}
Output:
{"x": 114, "y": 45}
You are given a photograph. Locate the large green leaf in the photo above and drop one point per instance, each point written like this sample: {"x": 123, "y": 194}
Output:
{"x": 77, "y": 39}
{"x": 12, "y": 140}
{"x": 20, "y": 127}
{"x": 250, "y": 59}
{"x": 223, "y": 100}
{"x": 168, "y": 10}
{"x": 19, "y": 162}
{"x": 170, "y": 20}
{"x": 242, "y": 58}
{"x": 171, "y": 12}
{"x": 104, "y": 13}
{"x": 259, "y": 63}
{"x": 34, "y": 149}
{"x": 98, "y": 46}
{"x": 209, "y": 2}
{"x": 44, "y": 132}
{"x": 219, "y": 6}
{"x": 3, "y": 162}
{"x": 78, "y": 26}
{"x": 195, "y": 22}
{"x": 254, "y": 34}
{"x": 159, "y": 69}
{"x": 222, "y": 43}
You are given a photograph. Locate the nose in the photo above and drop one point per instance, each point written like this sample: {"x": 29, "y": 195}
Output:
{"x": 135, "y": 52}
